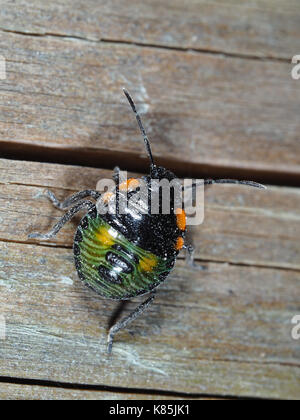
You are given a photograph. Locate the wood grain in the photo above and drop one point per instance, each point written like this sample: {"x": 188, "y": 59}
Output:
{"x": 260, "y": 28}
{"x": 62, "y": 101}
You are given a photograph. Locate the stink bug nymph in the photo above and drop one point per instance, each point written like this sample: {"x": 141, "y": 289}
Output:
{"x": 121, "y": 256}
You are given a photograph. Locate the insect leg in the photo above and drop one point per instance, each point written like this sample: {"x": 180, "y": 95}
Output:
{"x": 73, "y": 199}
{"x": 224, "y": 181}
{"x": 121, "y": 324}
{"x": 66, "y": 217}
{"x": 189, "y": 258}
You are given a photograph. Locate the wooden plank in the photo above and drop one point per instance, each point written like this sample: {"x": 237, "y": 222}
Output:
{"x": 62, "y": 101}
{"x": 221, "y": 330}
{"x": 242, "y": 225}
{"x": 262, "y": 28}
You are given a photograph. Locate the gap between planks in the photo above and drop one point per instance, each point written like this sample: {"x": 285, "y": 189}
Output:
{"x": 38, "y": 387}
{"x": 108, "y": 159}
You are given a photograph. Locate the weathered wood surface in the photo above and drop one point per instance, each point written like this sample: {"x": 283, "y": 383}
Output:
{"x": 62, "y": 101}
{"x": 224, "y": 329}
{"x": 259, "y": 28}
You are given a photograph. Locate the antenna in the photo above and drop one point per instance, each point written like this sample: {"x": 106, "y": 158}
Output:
{"x": 138, "y": 118}
{"x": 226, "y": 181}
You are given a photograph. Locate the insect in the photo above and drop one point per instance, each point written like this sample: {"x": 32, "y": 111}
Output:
{"x": 125, "y": 254}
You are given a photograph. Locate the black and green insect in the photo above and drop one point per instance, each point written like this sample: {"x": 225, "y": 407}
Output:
{"x": 125, "y": 254}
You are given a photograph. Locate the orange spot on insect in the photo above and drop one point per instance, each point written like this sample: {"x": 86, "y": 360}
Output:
{"x": 107, "y": 196}
{"x": 180, "y": 218}
{"x": 148, "y": 263}
{"x": 129, "y": 185}
{"x": 179, "y": 243}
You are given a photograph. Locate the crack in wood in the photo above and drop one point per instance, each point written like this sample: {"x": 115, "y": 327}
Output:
{"x": 148, "y": 45}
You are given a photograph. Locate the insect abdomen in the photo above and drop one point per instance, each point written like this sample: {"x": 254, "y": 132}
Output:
{"x": 113, "y": 266}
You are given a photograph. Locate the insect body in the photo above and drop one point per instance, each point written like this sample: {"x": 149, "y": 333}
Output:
{"x": 123, "y": 254}
{"x": 119, "y": 258}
